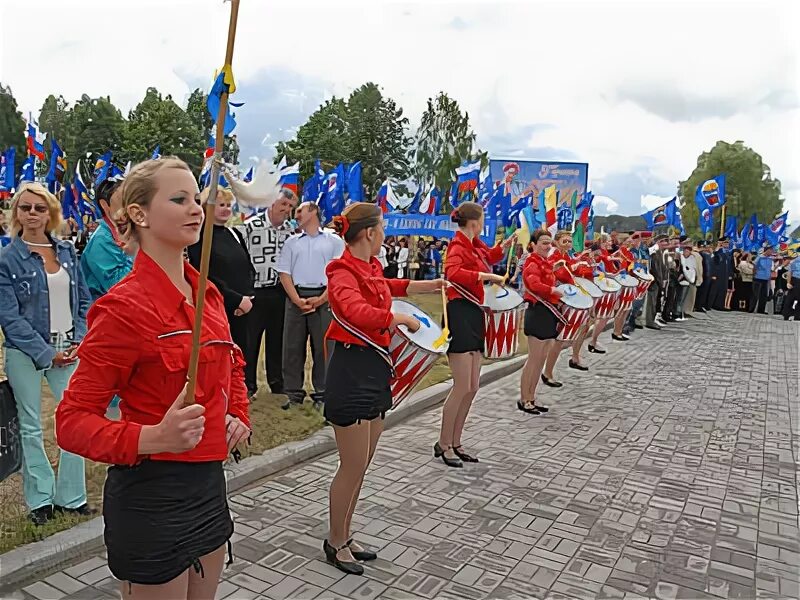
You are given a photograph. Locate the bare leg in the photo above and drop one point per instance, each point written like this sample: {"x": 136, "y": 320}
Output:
{"x": 353, "y": 443}
{"x": 375, "y": 431}
{"x": 203, "y": 585}
{"x": 466, "y": 402}
{"x": 531, "y": 373}
{"x": 552, "y": 358}
{"x": 578, "y": 343}
{"x": 461, "y": 368}
{"x": 598, "y": 329}
{"x": 172, "y": 590}
{"x": 619, "y": 321}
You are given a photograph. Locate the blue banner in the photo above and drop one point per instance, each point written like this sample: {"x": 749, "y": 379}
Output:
{"x": 438, "y": 226}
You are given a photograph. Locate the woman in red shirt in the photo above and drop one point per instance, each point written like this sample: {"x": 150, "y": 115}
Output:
{"x": 566, "y": 268}
{"x": 164, "y": 501}
{"x": 466, "y": 269}
{"x": 541, "y": 317}
{"x": 610, "y": 267}
{"x": 357, "y": 385}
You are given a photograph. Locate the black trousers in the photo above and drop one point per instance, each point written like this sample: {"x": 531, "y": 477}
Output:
{"x": 240, "y": 331}
{"x": 716, "y": 294}
{"x": 266, "y": 318}
{"x": 792, "y": 297}
{"x": 759, "y": 301}
{"x": 701, "y": 300}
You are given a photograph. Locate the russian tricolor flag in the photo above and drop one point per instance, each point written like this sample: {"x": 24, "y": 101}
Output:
{"x": 35, "y": 148}
{"x": 290, "y": 178}
{"x": 467, "y": 179}
{"x": 430, "y": 204}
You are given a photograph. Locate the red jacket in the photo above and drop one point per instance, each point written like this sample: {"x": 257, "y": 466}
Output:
{"x": 539, "y": 278}
{"x": 465, "y": 259}
{"x": 361, "y": 296}
{"x": 578, "y": 268}
{"x": 137, "y": 347}
{"x": 611, "y": 265}
{"x": 628, "y": 259}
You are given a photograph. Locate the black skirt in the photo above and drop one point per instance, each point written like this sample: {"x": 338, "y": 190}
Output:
{"x": 540, "y": 322}
{"x": 161, "y": 517}
{"x": 356, "y": 385}
{"x": 467, "y": 330}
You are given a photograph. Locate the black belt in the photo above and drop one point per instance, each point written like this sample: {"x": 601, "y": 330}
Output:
{"x": 310, "y": 292}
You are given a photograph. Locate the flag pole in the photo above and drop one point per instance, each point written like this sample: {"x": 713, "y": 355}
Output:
{"x": 722, "y": 220}
{"x": 208, "y": 225}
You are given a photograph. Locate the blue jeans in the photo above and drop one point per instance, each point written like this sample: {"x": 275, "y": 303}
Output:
{"x": 40, "y": 485}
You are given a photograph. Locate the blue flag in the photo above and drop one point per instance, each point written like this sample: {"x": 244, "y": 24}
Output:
{"x": 353, "y": 185}
{"x": 28, "y": 169}
{"x": 663, "y": 216}
{"x": 413, "y": 208}
{"x": 7, "y": 174}
{"x": 332, "y": 202}
{"x": 58, "y": 164}
{"x": 214, "y": 101}
{"x": 511, "y": 216}
{"x": 706, "y": 218}
{"x": 711, "y": 193}
{"x": 248, "y": 177}
{"x": 312, "y": 188}
{"x": 101, "y": 168}
{"x": 775, "y": 230}
{"x": 156, "y": 153}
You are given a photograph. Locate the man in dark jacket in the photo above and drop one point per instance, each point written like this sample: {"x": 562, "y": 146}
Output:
{"x": 721, "y": 270}
{"x": 658, "y": 290}
{"x": 701, "y": 301}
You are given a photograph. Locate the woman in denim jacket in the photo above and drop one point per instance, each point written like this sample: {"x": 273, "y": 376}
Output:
{"x": 43, "y": 305}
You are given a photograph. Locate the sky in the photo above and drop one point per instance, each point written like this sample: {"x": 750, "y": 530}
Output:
{"x": 636, "y": 89}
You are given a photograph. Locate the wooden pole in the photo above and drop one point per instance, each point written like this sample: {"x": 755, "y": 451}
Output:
{"x": 722, "y": 220}
{"x": 208, "y": 226}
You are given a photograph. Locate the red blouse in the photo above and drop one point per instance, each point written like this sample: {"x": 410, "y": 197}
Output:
{"x": 465, "y": 259}
{"x": 628, "y": 259}
{"x": 539, "y": 278}
{"x": 361, "y": 296}
{"x": 578, "y": 268}
{"x": 137, "y": 347}
{"x": 610, "y": 265}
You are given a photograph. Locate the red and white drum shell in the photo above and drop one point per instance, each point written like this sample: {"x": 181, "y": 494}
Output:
{"x": 576, "y": 306}
{"x": 645, "y": 280}
{"x": 628, "y": 293}
{"x": 605, "y": 307}
{"x": 413, "y": 354}
{"x": 503, "y": 308}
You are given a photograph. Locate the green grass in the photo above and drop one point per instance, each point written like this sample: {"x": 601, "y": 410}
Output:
{"x": 272, "y": 427}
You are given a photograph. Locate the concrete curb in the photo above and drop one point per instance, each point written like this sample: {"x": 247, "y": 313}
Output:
{"x": 22, "y": 564}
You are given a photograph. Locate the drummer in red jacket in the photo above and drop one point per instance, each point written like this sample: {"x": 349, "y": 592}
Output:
{"x": 566, "y": 268}
{"x": 357, "y": 390}
{"x": 625, "y": 260}
{"x": 165, "y": 508}
{"x": 542, "y": 318}
{"x": 608, "y": 265}
{"x": 466, "y": 269}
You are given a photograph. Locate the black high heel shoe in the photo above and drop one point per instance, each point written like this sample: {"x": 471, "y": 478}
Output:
{"x": 349, "y": 567}
{"x": 439, "y": 452}
{"x": 464, "y": 456}
{"x": 361, "y": 554}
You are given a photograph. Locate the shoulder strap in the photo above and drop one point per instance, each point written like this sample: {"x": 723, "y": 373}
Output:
{"x": 355, "y": 331}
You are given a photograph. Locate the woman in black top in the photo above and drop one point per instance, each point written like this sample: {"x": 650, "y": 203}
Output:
{"x": 230, "y": 268}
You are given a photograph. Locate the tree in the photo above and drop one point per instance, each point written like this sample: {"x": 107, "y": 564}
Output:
{"x": 367, "y": 126}
{"x": 443, "y": 142}
{"x": 749, "y": 186}
{"x": 12, "y": 126}
{"x": 54, "y": 120}
{"x": 95, "y": 126}
{"x": 159, "y": 121}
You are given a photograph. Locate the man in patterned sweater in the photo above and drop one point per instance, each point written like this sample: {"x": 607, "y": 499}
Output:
{"x": 265, "y": 234}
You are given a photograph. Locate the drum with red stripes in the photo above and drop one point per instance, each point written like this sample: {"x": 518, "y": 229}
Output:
{"x": 575, "y": 307}
{"x": 628, "y": 293}
{"x": 645, "y": 280}
{"x": 413, "y": 353}
{"x": 503, "y": 309}
{"x": 605, "y": 307}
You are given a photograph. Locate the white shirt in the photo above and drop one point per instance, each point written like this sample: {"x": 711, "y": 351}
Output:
{"x": 305, "y": 257}
{"x": 58, "y": 285}
{"x": 689, "y": 264}
{"x": 264, "y": 243}
{"x": 382, "y": 257}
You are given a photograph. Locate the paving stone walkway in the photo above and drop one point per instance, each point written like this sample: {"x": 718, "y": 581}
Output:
{"x": 669, "y": 470}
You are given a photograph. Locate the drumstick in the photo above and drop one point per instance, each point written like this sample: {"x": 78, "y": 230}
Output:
{"x": 442, "y": 339}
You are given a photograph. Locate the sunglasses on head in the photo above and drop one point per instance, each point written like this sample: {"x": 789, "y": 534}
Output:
{"x": 26, "y": 208}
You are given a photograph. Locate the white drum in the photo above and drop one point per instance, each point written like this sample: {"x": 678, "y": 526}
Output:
{"x": 628, "y": 292}
{"x": 503, "y": 309}
{"x": 589, "y": 287}
{"x": 575, "y": 307}
{"x": 645, "y": 280}
{"x": 604, "y": 307}
{"x": 413, "y": 354}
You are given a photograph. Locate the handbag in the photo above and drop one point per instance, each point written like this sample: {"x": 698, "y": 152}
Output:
{"x": 10, "y": 443}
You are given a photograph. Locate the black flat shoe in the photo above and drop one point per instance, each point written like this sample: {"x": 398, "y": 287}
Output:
{"x": 638, "y": 326}
{"x": 656, "y": 327}
{"x": 41, "y": 516}
{"x": 83, "y": 510}
{"x": 530, "y": 411}
{"x": 619, "y": 338}
{"x": 361, "y": 554}
{"x": 596, "y": 350}
{"x": 551, "y": 382}
{"x": 543, "y": 409}
{"x": 464, "y": 456}
{"x": 578, "y": 366}
{"x": 351, "y": 568}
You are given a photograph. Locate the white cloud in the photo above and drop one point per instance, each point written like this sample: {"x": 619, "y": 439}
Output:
{"x": 613, "y": 83}
{"x": 603, "y": 205}
{"x": 650, "y": 201}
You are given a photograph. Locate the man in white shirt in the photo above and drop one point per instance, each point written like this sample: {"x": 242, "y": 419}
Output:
{"x": 301, "y": 265}
{"x": 264, "y": 236}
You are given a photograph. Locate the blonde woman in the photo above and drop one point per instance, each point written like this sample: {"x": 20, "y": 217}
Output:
{"x": 43, "y": 305}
